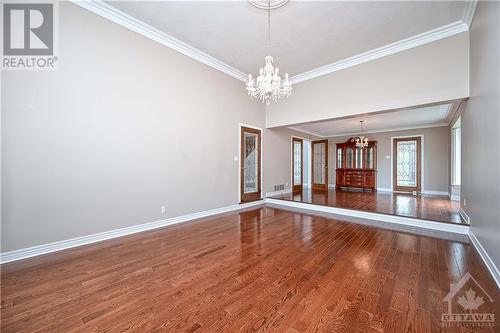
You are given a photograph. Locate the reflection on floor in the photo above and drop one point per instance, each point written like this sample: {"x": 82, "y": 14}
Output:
{"x": 436, "y": 208}
{"x": 263, "y": 270}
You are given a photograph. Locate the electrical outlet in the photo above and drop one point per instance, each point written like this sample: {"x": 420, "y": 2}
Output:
{"x": 163, "y": 209}
{"x": 235, "y": 158}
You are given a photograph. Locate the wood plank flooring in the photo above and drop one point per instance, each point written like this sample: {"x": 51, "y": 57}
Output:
{"x": 265, "y": 270}
{"x": 436, "y": 208}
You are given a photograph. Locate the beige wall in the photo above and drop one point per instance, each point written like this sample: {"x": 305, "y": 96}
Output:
{"x": 278, "y": 156}
{"x": 480, "y": 190}
{"x": 124, "y": 126}
{"x": 436, "y": 147}
{"x": 430, "y": 73}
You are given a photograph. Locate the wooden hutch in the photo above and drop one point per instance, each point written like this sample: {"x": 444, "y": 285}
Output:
{"x": 356, "y": 167}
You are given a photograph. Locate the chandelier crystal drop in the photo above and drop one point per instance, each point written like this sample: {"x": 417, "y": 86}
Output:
{"x": 269, "y": 86}
{"x": 361, "y": 141}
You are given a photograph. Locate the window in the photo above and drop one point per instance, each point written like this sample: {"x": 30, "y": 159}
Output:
{"x": 456, "y": 153}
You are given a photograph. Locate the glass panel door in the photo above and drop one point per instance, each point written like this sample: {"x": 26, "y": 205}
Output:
{"x": 320, "y": 164}
{"x": 406, "y": 167}
{"x": 250, "y": 164}
{"x": 297, "y": 164}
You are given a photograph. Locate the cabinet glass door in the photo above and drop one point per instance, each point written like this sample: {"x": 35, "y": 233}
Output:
{"x": 359, "y": 158}
{"x": 340, "y": 158}
{"x": 370, "y": 158}
{"x": 349, "y": 158}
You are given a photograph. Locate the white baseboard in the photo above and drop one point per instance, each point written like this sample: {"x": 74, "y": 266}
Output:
{"x": 464, "y": 215}
{"x": 454, "y": 197}
{"x": 400, "y": 220}
{"x": 275, "y": 193}
{"x": 387, "y": 189}
{"x": 436, "y": 193}
{"x": 331, "y": 185}
{"x": 495, "y": 273}
{"x": 89, "y": 239}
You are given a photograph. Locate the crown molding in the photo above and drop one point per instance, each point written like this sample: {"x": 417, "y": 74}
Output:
{"x": 402, "y": 45}
{"x": 115, "y": 15}
{"x": 470, "y": 10}
{"x": 305, "y": 131}
{"x": 370, "y": 132}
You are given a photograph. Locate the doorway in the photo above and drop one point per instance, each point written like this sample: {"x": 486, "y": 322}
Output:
{"x": 250, "y": 164}
{"x": 407, "y": 164}
{"x": 320, "y": 165}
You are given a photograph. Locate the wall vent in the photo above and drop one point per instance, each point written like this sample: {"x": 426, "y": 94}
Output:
{"x": 279, "y": 187}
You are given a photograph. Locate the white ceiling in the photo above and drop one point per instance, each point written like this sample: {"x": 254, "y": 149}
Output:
{"x": 438, "y": 115}
{"x": 304, "y": 35}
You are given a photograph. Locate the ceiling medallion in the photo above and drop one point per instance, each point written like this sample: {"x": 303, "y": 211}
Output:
{"x": 265, "y": 4}
{"x": 361, "y": 141}
{"x": 268, "y": 85}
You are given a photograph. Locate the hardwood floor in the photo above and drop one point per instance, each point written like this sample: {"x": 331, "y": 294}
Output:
{"x": 436, "y": 208}
{"x": 260, "y": 270}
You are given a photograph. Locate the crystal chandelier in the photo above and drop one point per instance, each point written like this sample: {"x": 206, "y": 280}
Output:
{"x": 268, "y": 85}
{"x": 361, "y": 141}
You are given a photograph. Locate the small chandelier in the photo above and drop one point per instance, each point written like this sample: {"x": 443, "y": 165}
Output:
{"x": 268, "y": 85}
{"x": 361, "y": 141}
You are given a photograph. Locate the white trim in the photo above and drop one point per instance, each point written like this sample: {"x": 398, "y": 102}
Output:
{"x": 89, "y": 239}
{"x": 490, "y": 264}
{"x": 402, "y": 45}
{"x": 332, "y": 186}
{"x": 422, "y": 168}
{"x": 464, "y": 215}
{"x": 115, "y": 15}
{"x": 470, "y": 10}
{"x": 400, "y": 220}
{"x": 444, "y": 193}
{"x": 384, "y": 189}
{"x": 454, "y": 197}
{"x": 370, "y": 132}
{"x": 305, "y": 132}
{"x": 275, "y": 193}
{"x": 261, "y": 159}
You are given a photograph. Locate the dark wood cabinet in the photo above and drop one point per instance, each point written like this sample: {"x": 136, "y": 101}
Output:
{"x": 356, "y": 166}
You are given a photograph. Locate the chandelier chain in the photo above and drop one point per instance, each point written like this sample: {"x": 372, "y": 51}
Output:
{"x": 268, "y": 84}
{"x": 269, "y": 21}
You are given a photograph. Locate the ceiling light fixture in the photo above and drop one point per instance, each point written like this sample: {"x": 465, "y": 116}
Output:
{"x": 361, "y": 141}
{"x": 268, "y": 85}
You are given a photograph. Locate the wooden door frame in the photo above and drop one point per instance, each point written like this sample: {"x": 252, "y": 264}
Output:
{"x": 297, "y": 188}
{"x": 313, "y": 185}
{"x": 420, "y": 167}
{"x": 240, "y": 159}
